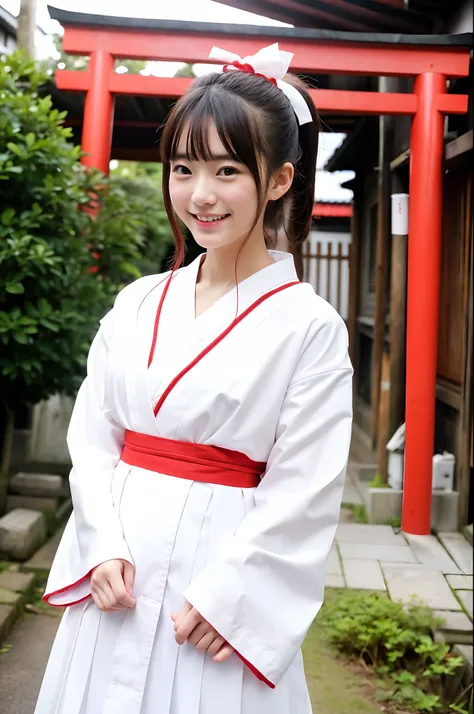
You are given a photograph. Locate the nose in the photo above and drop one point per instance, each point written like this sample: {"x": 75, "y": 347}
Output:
{"x": 203, "y": 193}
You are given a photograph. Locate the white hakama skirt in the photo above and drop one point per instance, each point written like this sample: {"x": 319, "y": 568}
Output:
{"x": 128, "y": 662}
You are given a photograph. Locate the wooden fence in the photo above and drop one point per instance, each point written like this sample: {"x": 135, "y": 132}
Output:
{"x": 326, "y": 267}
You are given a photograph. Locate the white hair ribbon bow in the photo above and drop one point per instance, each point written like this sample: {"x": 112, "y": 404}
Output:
{"x": 273, "y": 64}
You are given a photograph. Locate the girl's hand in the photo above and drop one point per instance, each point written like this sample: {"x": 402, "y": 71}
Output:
{"x": 191, "y": 626}
{"x": 111, "y": 585}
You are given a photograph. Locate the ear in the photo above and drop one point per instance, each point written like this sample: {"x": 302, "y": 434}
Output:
{"x": 281, "y": 181}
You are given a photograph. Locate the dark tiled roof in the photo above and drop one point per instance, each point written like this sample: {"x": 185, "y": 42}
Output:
{"x": 336, "y": 33}
{"x": 387, "y": 16}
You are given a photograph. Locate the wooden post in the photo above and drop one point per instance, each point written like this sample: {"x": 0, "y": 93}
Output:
{"x": 353, "y": 280}
{"x": 381, "y": 273}
{"x": 383, "y": 426}
{"x": 465, "y": 435}
{"x": 398, "y": 306}
{"x": 27, "y": 27}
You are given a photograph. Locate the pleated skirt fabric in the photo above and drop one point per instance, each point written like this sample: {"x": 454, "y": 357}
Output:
{"x": 128, "y": 662}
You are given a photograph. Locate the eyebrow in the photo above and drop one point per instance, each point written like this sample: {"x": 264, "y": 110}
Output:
{"x": 212, "y": 157}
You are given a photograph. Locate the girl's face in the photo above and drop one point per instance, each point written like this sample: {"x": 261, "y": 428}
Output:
{"x": 217, "y": 200}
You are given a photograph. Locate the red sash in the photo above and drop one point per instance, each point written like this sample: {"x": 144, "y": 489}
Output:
{"x": 196, "y": 462}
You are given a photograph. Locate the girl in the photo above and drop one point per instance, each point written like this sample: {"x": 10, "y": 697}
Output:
{"x": 209, "y": 440}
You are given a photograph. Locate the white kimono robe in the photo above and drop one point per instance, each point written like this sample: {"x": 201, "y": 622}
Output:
{"x": 252, "y": 561}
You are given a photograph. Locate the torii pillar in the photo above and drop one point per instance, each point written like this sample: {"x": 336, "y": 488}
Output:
{"x": 98, "y": 113}
{"x": 424, "y": 258}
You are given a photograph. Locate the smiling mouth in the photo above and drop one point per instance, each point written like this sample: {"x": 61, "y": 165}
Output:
{"x": 210, "y": 219}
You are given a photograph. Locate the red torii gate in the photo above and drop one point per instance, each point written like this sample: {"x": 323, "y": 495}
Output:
{"x": 430, "y": 64}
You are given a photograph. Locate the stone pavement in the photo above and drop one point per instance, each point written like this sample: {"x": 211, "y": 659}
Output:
{"x": 22, "y": 667}
{"x": 15, "y": 587}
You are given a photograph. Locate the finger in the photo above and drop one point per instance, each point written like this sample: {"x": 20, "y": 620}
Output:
{"x": 177, "y": 619}
{"x": 96, "y": 599}
{"x": 97, "y": 596}
{"x": 179, "y": 616}
{"x": 198, "y": 633}
{"x": 128, "y": 576}
{"x": 119, "y": 591}
{"x": 192, "y": 619}
{"x": 224, "y": 653}
{"x": 205, "y": 642}
{"x": 108, "y": 597}
{"x": 216, "y": 645}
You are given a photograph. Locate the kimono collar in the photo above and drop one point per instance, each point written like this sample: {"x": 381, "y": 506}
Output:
{"x": 281, "y": 271}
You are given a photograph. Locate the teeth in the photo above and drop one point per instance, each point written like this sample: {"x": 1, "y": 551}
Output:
{"x": 208, "y": 219}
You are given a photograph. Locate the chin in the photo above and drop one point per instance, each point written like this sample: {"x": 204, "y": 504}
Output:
{"x": 211, "y": 242}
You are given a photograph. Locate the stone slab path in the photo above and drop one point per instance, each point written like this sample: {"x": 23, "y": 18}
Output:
{"x": 22, "y": 667}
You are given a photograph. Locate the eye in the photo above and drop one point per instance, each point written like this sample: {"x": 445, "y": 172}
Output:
{"x": 181, "y": 170}
{"x": 228, "y": 171}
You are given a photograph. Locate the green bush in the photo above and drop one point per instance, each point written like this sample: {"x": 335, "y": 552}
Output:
{"x": 60, "y": 266}
{"x": 61, "y": 261}
{"x": 49, "y": 299}
{"x": 397, "y": 641}
{"x": 134, "y": 201}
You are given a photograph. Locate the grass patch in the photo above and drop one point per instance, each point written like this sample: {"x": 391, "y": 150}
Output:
{"x": 358, "y": 511}
{"x": 395, "y": 522}
{"x": 333, "y": 687}
{"x": 392, "y": 649}
{"x": 378, "y": 482}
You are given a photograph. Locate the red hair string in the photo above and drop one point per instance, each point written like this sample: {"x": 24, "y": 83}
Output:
{"x": 243, "y": 67}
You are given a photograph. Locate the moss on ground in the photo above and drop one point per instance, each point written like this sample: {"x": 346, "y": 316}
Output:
{"x": 36, "y": 604}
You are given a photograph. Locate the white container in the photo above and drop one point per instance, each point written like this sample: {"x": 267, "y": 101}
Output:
{"x": 395, "y": 470}
{"x": 443, "y": 472}
{"x": 400, "y": 206}
{"x": 396, "y": 455}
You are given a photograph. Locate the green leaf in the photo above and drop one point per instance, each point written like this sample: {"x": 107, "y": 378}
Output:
{"x": 44, "y": 307}
{"x": 20, "y": 337}
{"x": 7, "y": 216}
{"x": 50, "y": 325}
{"x": 30, "y": 140}
{"x": 15, "y": 288}
{"x": 130, "y": 269}
{"x": 15, "y": 148}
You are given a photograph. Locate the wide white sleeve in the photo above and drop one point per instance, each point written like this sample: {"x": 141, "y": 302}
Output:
{"x": 267, "y": 584}
{"x": 93, "y": 533}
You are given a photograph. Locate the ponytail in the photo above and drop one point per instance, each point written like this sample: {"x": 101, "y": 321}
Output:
{"x": 302, "y": 191}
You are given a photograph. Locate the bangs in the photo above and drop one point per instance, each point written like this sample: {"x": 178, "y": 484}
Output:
{"x": 235, "y": 121}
